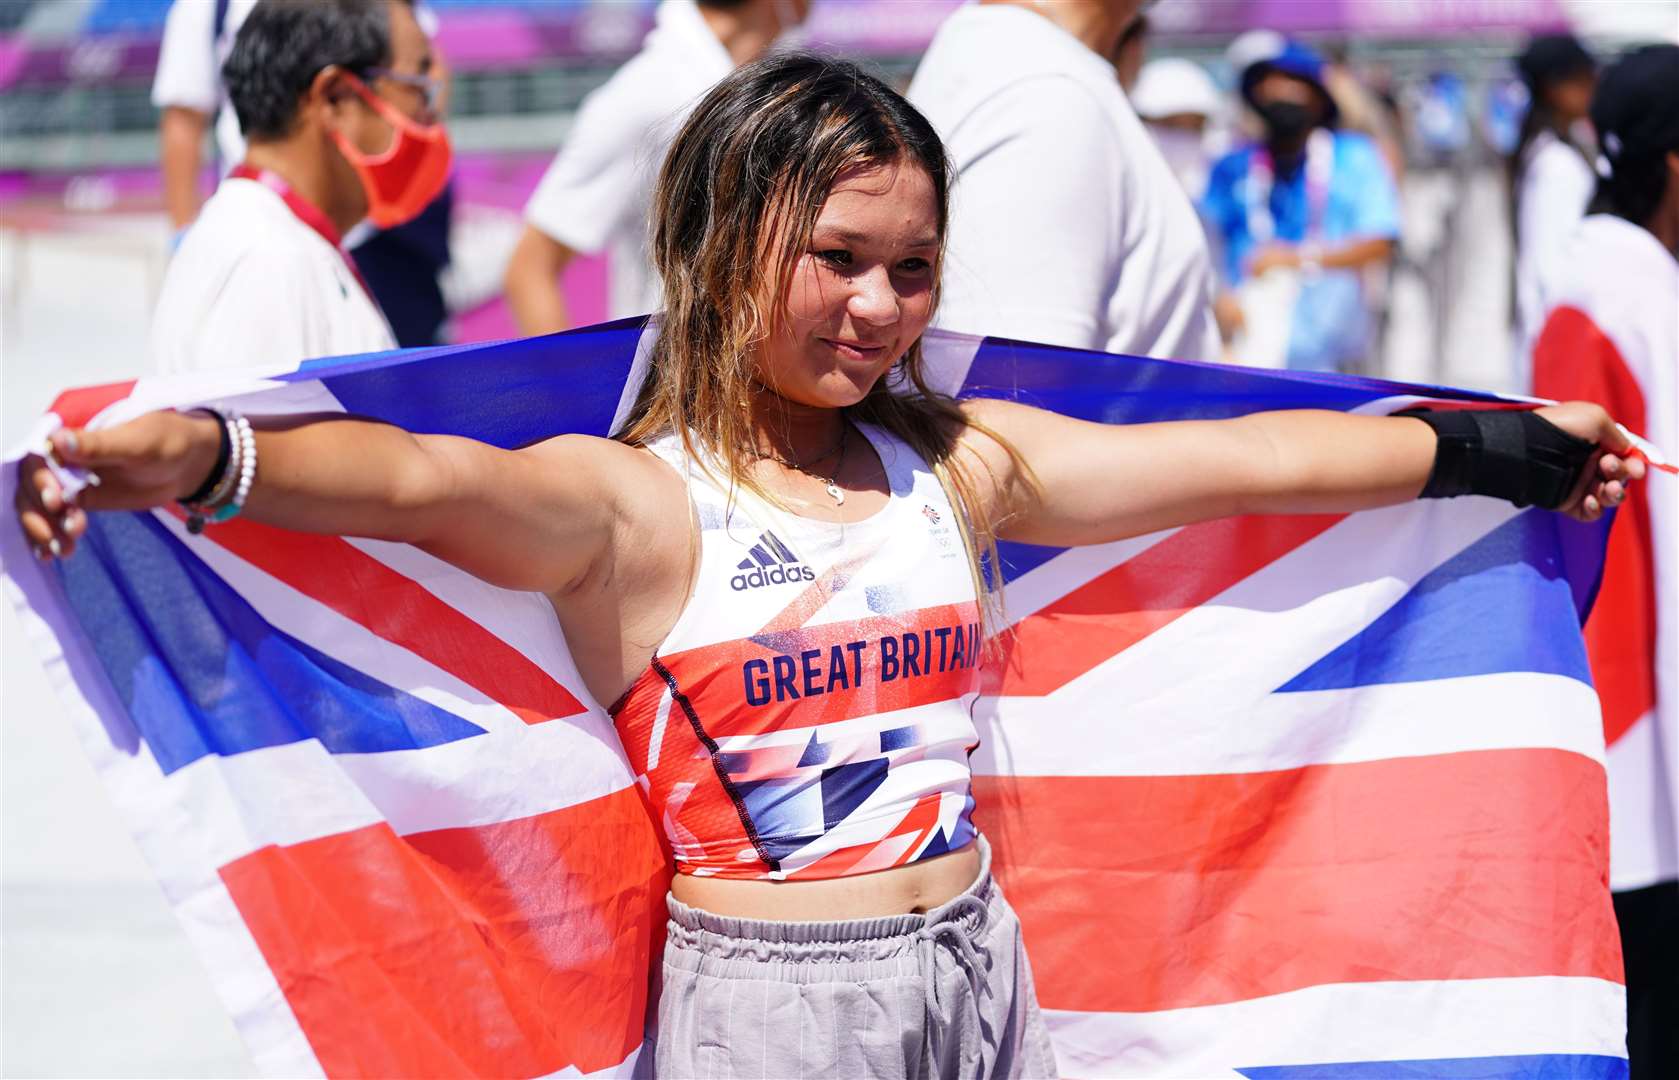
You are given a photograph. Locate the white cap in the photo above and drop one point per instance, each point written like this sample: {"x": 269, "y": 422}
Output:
{"x": 1252, "y": 47}
{"x": 1171, "y": 86}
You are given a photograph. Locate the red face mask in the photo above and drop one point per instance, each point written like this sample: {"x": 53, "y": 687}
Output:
{"x": 410, "y": 173}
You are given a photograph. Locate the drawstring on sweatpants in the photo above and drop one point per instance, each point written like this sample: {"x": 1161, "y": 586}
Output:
{"x": 951, "y": 929}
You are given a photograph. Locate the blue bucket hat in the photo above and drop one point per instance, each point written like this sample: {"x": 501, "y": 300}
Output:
{"x": 1291, "y": 57}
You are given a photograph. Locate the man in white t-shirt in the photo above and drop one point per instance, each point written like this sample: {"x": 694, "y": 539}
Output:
{"x": 1067, "y": 226}
{"x": 596, "y": 195}
{"x": 401, "y": 266}
{"x": 188, "y": 94}
{"x": 335, "y": 97}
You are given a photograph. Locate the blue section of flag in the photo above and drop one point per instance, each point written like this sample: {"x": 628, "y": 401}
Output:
{"x": 202, "y": 673}
{"x": 1510, "y": 1067}
{"x": 1505, "y": 603}
{"x": 510, "y": 394}
{"x": 1017, "y": 559}
{"x": 1136, "y": 390}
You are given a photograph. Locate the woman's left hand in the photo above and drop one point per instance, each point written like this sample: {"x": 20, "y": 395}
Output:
{"x": 1604, "y": 481}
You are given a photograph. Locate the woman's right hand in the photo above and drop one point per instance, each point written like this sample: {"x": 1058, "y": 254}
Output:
{"x": 150, "y": 461}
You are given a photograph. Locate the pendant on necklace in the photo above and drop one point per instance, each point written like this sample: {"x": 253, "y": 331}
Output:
{"x": 835, "y": 493}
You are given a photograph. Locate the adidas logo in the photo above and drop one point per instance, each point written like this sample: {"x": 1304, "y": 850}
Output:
{"x": 770, "y": 562}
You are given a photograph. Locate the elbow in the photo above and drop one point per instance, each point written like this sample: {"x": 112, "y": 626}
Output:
{"x": 537, "y": 262}
{"x": 514, "y": 277}
{"x": 181, "y": 127}
{"x": 422, "y": 493}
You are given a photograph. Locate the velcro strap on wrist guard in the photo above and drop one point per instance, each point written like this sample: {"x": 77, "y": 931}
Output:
{"x": 1511, "y": 454}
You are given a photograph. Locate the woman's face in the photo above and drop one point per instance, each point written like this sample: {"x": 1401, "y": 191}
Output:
{"x": 1571, "y": 98}
{"x": 861, "y": 292}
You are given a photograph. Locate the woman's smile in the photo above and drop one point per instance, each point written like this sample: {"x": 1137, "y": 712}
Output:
{"x": 863, "y": 352}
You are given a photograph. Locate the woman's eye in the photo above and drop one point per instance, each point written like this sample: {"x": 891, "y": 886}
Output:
{"x": 915, "y": 266}
{"x": 835, "y": 257}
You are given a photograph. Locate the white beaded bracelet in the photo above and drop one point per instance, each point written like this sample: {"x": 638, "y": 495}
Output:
{"x": 233, "y": 487}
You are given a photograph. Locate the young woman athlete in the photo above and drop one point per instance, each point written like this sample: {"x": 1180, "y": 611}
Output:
{"x": 772, "y": 571}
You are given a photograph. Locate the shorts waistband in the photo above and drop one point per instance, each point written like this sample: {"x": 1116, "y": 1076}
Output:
{"x": 961, "y": 908}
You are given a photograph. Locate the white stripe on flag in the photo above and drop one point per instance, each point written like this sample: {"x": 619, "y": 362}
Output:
{"x": 626, "y": 1068}
{"x": 524, "y": 620}
{"x": 1042, "y": 585}
{"x": 238, "y": 971}
{"x": 345, "y": 640}
{"x": 639, "y": 366}
{"x": 1349, "y": 1022}
{"x": 946, "y": 357}
{"x": 296, "y": 792}
{"x": 1253, "y": 637}
{"x": 1508, "y": 710}
{"x": 167, "y": 835}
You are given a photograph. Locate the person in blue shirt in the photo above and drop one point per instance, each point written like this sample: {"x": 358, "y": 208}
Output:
{"x": 1310, "y": 199}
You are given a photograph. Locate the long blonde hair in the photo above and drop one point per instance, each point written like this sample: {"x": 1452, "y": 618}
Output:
{"x": 735, "y": 204}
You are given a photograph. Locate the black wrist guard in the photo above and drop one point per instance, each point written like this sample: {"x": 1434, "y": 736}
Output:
{"x": 223, "y": 452}
{"x": 1511, "y": 454}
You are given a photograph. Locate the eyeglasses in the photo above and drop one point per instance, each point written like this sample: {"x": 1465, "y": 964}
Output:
{"x": 428, "y": 87}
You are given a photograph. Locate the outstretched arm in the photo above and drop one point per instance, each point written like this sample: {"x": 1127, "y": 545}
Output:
{"x": 1101, "y": 482}
{"x": 534, "y": 519}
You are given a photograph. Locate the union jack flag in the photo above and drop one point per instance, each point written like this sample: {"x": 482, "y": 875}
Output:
{"x": 1275, "y": 797}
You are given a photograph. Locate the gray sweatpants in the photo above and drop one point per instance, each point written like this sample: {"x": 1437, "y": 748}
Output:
{"x": 945, "y": 994}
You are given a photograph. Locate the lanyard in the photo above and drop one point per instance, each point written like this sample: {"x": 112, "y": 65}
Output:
{"x": 305, "y": 212}
{"x": 1262, "y": 178}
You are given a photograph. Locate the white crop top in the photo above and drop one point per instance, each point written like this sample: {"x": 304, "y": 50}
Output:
{"x": 809, "y": 715}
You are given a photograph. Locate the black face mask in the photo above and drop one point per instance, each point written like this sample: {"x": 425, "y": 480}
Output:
{"x": 1286, "y": 120}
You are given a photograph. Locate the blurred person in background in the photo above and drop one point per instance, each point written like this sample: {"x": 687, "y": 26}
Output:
{"x": 400, "y": 265}
{"x": 1184, "y": 111}
{"x": 1067, "y": 225}
{"x": 1550, "y": 173}
{"x": 335, "y": 99}
{"x": 1361, "y": 107}
{"x": 1611, "y": 335}
{"x": 596, "y": 195}
{"x": 188, "y": 94}
{"x": 1180, "y": 105}
{"x": 1299, "y": 217}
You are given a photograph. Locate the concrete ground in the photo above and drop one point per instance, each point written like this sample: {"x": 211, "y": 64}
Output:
{"x": 96, "y": 976}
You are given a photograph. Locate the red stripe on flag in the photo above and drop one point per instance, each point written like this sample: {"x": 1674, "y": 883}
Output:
{"x": 1145, "y": 893}
{"x": 514, "y": 949}
{"x": 400, "y": 610}
{"x": 1119, "y": 608}
{"x": 1574, "y": 360}
{"x": 77, "y": 407}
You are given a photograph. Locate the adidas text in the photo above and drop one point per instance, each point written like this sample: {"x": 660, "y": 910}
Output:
{"x": 775, "y": 575}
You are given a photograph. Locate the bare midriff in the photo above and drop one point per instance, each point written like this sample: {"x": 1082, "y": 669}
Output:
{"x": 917, "y": 887}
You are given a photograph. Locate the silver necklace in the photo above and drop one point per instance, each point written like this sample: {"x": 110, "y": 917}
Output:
{"x": 829, "y": 481}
